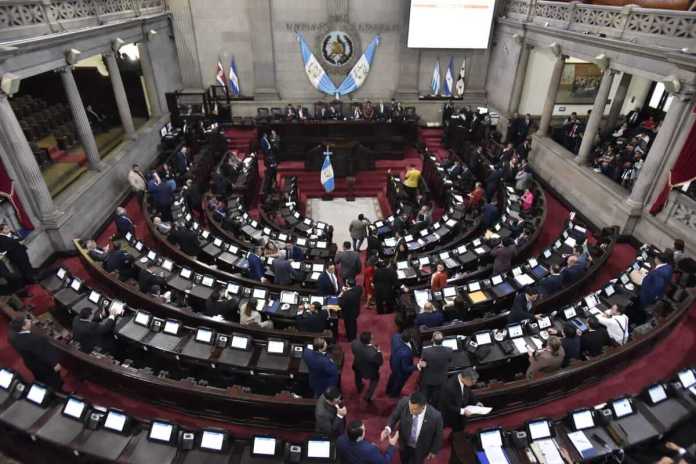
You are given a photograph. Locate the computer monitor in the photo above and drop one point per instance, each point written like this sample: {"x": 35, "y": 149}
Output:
{"x": 74, "y": 408}
{"x": 515, "y": 330}
{"x": 207, "y": 281}
{"x": 161, "y": 431}
{"x": 115, "y": 421}
{"x": 151, "y": 255}
{"x": 289, "y": 297}
{"x": 185, "y": 273}
{"x": 212, "y": 440}
{"x": 37, "y": 394}
{"x": 491, "y": 439}
{"x": 401, "y": 265}
{"x": 569, "y": 313}
{"x": 167, "y": 265}
{"x": 583, "y": 419}
{"x": 61, "y": 273}
{"x": 204, "y": 335}
{"x": 94, "y": 297}
{"x": 497, "y": 280}
{"x": 76, "y": 284}
{"x": 142, "y": 318}
{"x": 318, "y": 449}
{"x": 622, "y": 407}
{"x": 539, "y": 429}
{"x": 259, "y": 294}
{"x": 163, "y": 132}
{"x": 687, "y": 378}
{"x": 474, "y": 286}
{"x": 276, "y": 346}
{"x": 483, "y": 338}
{"x": 451, "y": 343}
{"x": 264, "y": 446}
{"x": 6, "y": 378}
{"x": 657, "y": 393}
{"x": 449, "y": 292}
{"x": 171, "y": 327}
{"x": 240, "y": 342}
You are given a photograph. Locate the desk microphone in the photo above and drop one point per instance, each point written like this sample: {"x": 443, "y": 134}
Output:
{"x": 599, "y": 440}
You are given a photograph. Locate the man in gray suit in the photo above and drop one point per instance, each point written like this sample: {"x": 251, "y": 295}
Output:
{"x": 367, "y": 360}
{"x": 349, "y": 262}
{"x": 433, "y": 366}
{"x": 329, "y": 414}
{"x": 420, "y": 429}
{"x": 282, "y": 271}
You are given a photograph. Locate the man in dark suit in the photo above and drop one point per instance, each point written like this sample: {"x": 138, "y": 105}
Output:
{"x": 294, "y": 252}
{"x": 385, "y": 282}
{"x": 186, "y": 239}
{"x": 489, "y": 215}
{"x": 148, "y": 278}
{"x": 522, "y": 306}
{"x": 16, "y": 252}
{"x": 282, "y": 271}
{"x": 430, "y": 317}
{"x": 420, "y": 429}
{"x": 593, "y": 341}
{"x": 456, "y": 395}
{"x": 552, "y": 283}
{"x": 351, "y": 447}
{"x": 90, "y": 333}
{"x": 181, "y": 160}
{"x": 215, "y": 305}
{"x": 367, "y": 360}
{"x": 323, "y": 372}
{"x": 573, "y": 271}
{"x": 256, "y": 267}
{"x": 349, "y": 301}
{"x": 40, "y": 357}
{"x": 119, "y": 261}
{"x": 96, "y": 253}
{"x": 314, "y": 319}
{"x": 330, "y": 414}
{"x": 400, "y": 362}
{"x": 655, "y": 283}
{"x": 123, "y": 222}
{"x": 349, "y": 262}
{"x": 433, "y": 366}
{"x": 327, "y": 282}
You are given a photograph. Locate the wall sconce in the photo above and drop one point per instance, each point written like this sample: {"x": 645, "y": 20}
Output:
{"x": 555, "y": 49}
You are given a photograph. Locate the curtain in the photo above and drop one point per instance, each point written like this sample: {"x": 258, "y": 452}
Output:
{"x": 8, "y": 191}
{"x": 684, "y": 171}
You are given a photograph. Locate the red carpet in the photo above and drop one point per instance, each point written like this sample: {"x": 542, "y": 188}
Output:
{"x": 661, "y": 362}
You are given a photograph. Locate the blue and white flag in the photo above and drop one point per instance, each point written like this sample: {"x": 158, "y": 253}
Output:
{"x": 220, "y": 73}
{"x": 234, "y": 79}
{"x": 327, "y": 174}
{"x": 316, "y": 74}
{"x": 449, "y": 80}
{"x": 435, "y": 84}
{"x": 358, "y": 74}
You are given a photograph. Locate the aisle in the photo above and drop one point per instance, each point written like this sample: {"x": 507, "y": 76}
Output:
{"x": 339, "y": 212}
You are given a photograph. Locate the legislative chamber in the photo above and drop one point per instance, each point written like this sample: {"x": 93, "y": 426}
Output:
{"x": 343, "y": 231}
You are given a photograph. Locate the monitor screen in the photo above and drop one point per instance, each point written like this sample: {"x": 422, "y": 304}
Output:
{"x": 450, "y": 343}
{"x": 569, "y": 313}
{"x": 240, "y": 343}
{"x": 319, "y": 449}
{"x": 544, "y": 322}
{"x": 301, "y": 242}
{"x": 208, "y": 281}
{"x": 264, "y": 446}
{"x": 497, "y": 280}
{"x": 539, "y": 429}
{"x": 115, "y": 421}
{"x": 74, "y": 408}
{"x": 171, "y": 327}
{"x": 515, "y": 331}
{"x": 76, "y": 285}
{"x": 151, "y": 255}
{"x": 583, "y": 420}
{"x": 322, "y": 245}
{"x": 139, "y": 246}
{"x": 267, "y": 231}
{"x": 204, "y": 335}
{"x": 167, "y": 265}
{"x": 212, "y": 440}
{"x": 6, "y": 378}
{"x": 401, "y": 265}
{"x": 687, "y": 378}
{"x": 657, "y": 393}
{"x": 483, "y": 338}
{"x": 233, "y": 289}
{"x": 217, "y": 242}
{"x": 547, "y": 253}
{"x": 317, "y": 267}
{"x": 161, "y": 431}
{"x": 36, "y": 394}
{"x": 142, "y": 318}
{"x": 163, "y": 132}
{"x": 288, "y": 297}
{"x": 475, "y": 286}
{"x": 233, "y": 249}
{"x": 491, "y": 439}
{"x": 61, "y": 273}
{"x": 622, "y": 407}
{"x": 185, "y": 273}
{"x": 533, "y": 262}
{"x": 316, "y": 299}
{"x": 276, "y": 346}
{"x": 259, "y": 294}
{"x": 449, "y": 292}
{"x": 609, "y": 290}
{"x": 94, "y": 297}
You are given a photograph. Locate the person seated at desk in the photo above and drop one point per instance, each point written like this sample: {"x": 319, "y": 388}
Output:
{"x": 522, "y": 307}
{"x": 119, "y": 261}
{"x": 270, "y": 248}
{"x": 328, "y": 282}
{"x": 570, "y": 341}
{"x": 523, "y": 179}
{"x": 323, "y": 372}
{"x": 90, "y": 333}
{"x": 124, "y": 224}
{"x": 457, "y": 395}
{"x": 527, "y": 201}
{"x": 250, "y": 316}
{"x": 302, "y": 113}
{"x": 429, "y": 317}
{"x": 330, "y": 414}
{"x": 357, "y": 112}
{"x": 438, "y": 280}
{"x": 156, "y": 291}
{"x": 332, "y": 113}
{"x": 313, "y": 319}
{"x": 148, "y": 277}
{"x": 425, "y": 215}
{"x": 546, "y": 360}
{"x": 616, "y": 323}
{"x": 503, "y": 255}
{"x": 490, "y": 215}
{"x": 96, "y": 253}
{"x": 368, "y": 111}
{"x": 216, "y": 305}
{"x": 290, "y": 113}
{"x": 282, "y": 271}
{"x": 257, "y": 270}
{"x": 352, "y": 446}
{"x": 595, "y": 339}
{"x": 162, "y": 227}
{"x": 573, "y": 271}
{"x": 186, "y": 239}
{"x": 552, "y": 283}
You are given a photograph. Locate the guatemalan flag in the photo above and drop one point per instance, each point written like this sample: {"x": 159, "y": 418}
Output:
{"x": 435, "y": 83}
{"x": 220, "y": 74}
{"x": 358, "y": 74}
{"x": 234, "y": 79}
{"x": 449, "y": 80}
{"x": 316, "y": 74}
{"x": 327, "y": 174}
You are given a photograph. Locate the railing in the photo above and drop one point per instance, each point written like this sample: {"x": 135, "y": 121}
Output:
{"x": 681, "y": 215}
{"x": 20, "y": 19}
{"x": 646, "y": 26}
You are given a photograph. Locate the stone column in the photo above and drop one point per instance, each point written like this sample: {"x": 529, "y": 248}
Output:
{"x": 80, "y": 116}
{"x": 25, "y": 164}
{"x": 260, "y": 19}
{"x": 149, "y": 78}
{"x": 617, "y": 103}
{"x": 592, "y": 127}
{"x": 124, "y": 111}
{"x": 520, "y": 77}
{"x": 657, "y": 156}
{"x": 550, "y": 101}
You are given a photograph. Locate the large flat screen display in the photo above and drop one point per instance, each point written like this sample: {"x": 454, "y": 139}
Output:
{"x": 450, "y": 23}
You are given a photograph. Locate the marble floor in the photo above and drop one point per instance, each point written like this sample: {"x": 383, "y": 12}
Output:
{"x": 339, "y": 212}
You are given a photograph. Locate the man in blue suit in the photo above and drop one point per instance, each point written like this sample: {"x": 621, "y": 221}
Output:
{"x": 351, "y": 447}
{"x": 401, "y": 364}
{"x": 328, "y": 282}
{"x": 323, "y": 372}
{"x": 123, "y": 222}
{"x": 573, "y": 271}
{"x": 430, "y": 317}
{"x": 256, "y": 267}
{"x": 181, "y": 161}
{"x": 656, "y": 282}
{"x": 490, "y": 215}
{"x": 552, "y": 283}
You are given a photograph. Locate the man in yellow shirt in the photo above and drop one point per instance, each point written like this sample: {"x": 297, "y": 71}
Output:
{"x": 411, "y": 182}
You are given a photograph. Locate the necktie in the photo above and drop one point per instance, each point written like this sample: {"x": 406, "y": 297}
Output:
{"x": 414, "y": 431}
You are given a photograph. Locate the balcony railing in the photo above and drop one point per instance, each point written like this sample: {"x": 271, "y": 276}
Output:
{"x": 667, "y": 28}
{"x": 21, "y": 19}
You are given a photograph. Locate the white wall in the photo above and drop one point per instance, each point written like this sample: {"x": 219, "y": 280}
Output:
{"x": 536, "y": 83}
